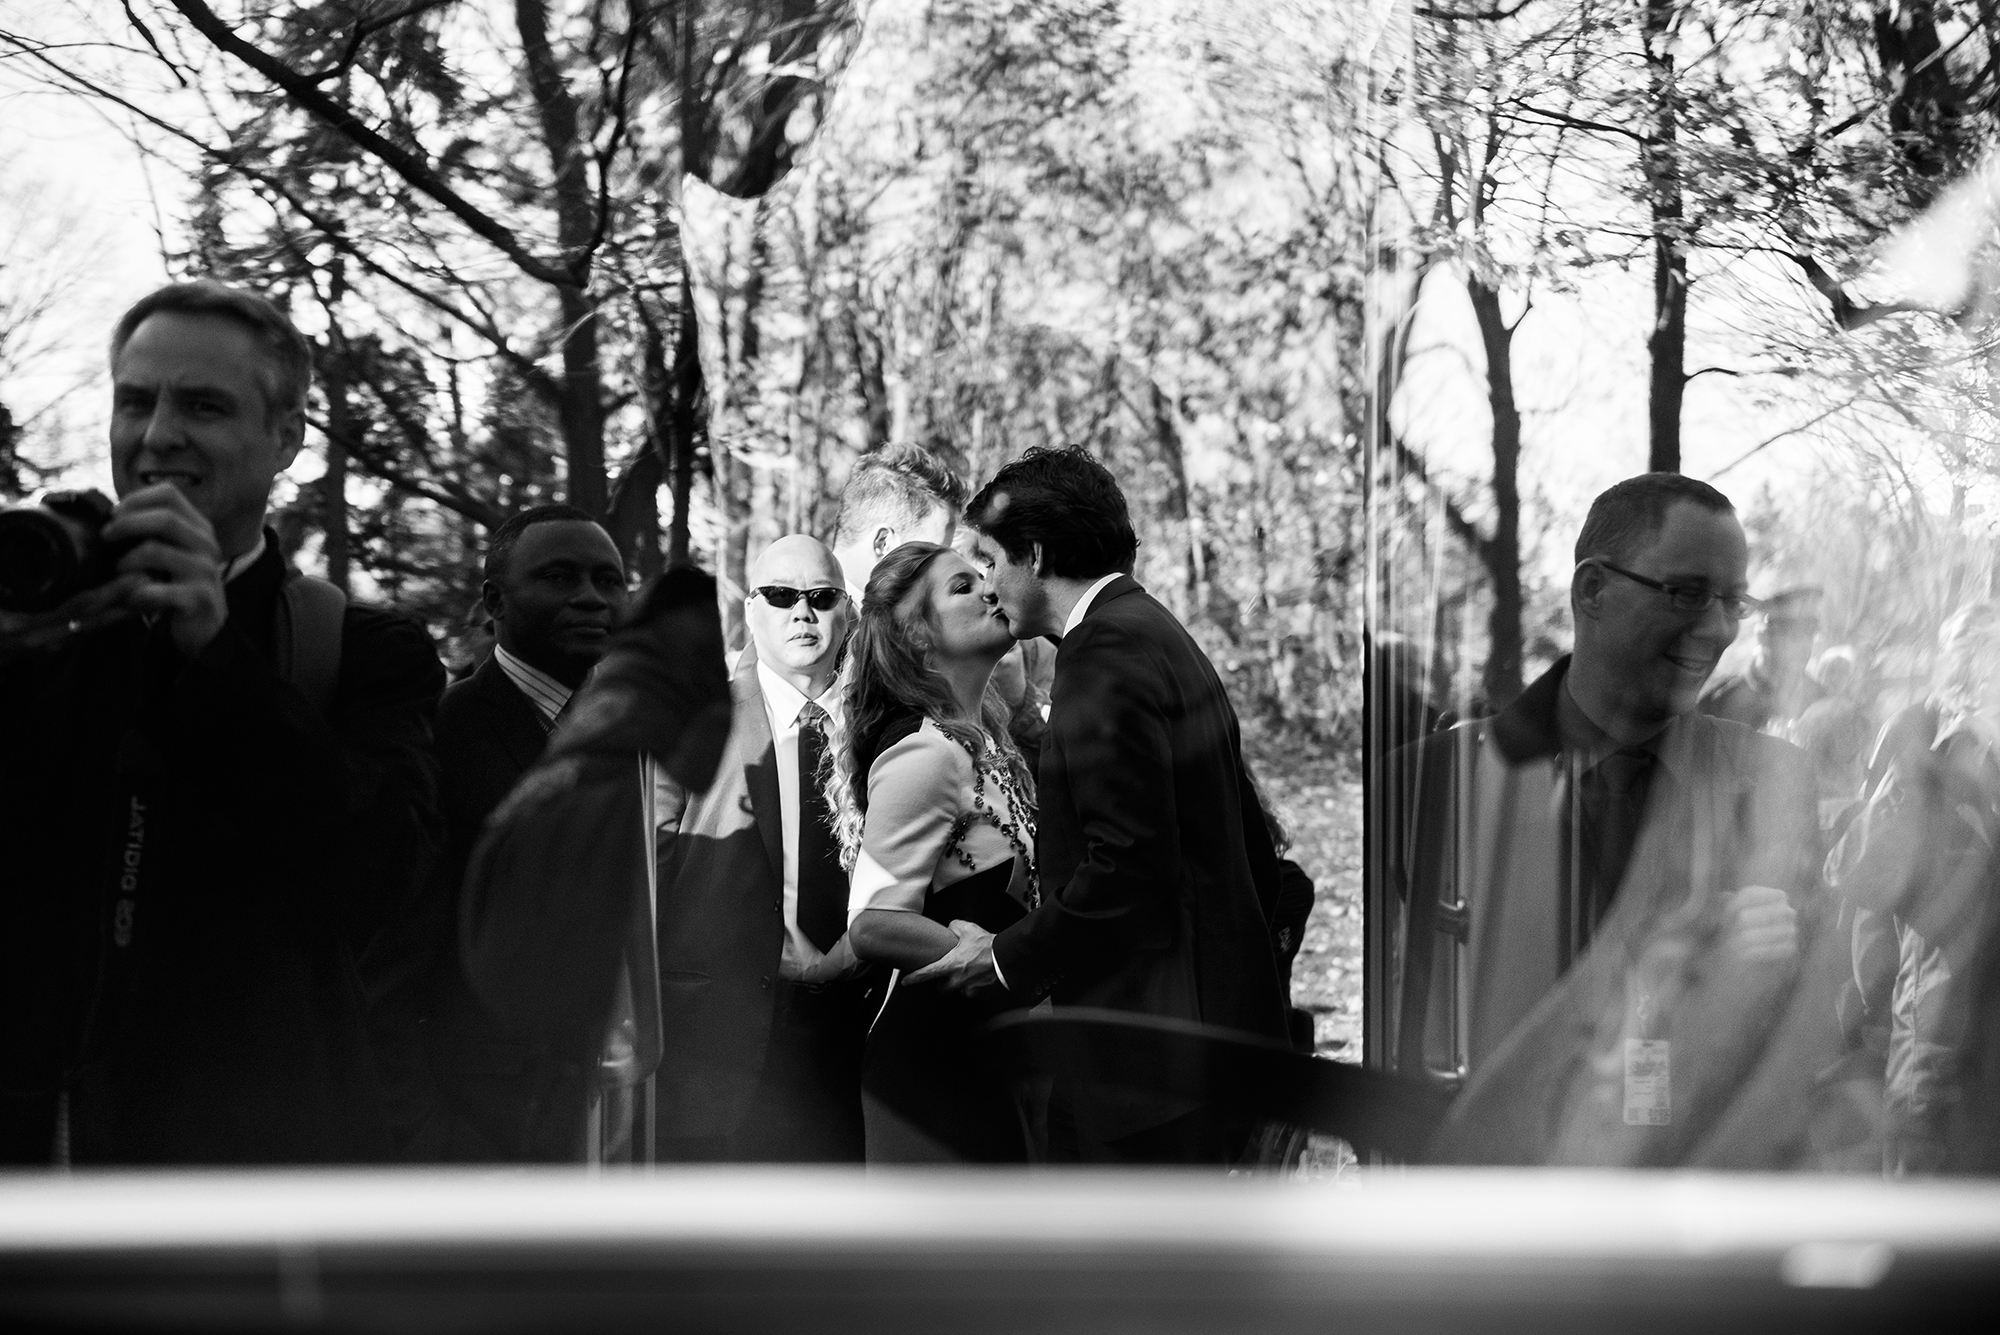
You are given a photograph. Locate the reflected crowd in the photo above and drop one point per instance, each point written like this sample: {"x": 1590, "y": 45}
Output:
{"x": 275, "y": 892}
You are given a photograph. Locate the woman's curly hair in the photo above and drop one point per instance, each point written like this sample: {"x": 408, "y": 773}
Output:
{"x": 889, "y": 677}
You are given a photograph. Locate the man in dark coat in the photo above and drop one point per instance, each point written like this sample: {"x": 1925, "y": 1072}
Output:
{"x": 1605, "y": 886}
{"x": 554, "y": 588}
{"x": 1159, "y": 879}
{"x": 201, "y": 842}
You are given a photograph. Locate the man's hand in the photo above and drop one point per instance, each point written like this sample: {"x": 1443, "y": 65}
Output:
{"x": 23, "y": 633}
{"x": 966, "y": 968}
{"x": 1761, "y": 926}
{"x": 174, "y": 548}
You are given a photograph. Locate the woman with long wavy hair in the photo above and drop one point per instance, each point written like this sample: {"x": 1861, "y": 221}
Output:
{"x": 934, "y": 808}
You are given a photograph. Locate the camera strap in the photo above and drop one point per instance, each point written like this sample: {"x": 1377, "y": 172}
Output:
{"x": 310, "y": 613}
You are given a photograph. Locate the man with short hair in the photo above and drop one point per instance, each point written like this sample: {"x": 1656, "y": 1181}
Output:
{"x": 1600, "y": 858}
{"x": 554, "y": 588}
{"x": 1159, "y": 879}
{"x": 899, "y": 495}
{"x": 216, "y": 789}
{"x": 759, "y": 994}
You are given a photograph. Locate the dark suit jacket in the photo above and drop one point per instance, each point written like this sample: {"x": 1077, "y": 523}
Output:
{"x": 1158, "y": 876}
{"x": 721, "y": 925}
{"x": 479, "y": 1083}
{"x": 219, "y": 1017}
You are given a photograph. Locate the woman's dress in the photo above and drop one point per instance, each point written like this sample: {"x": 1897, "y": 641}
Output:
{"x": 949, "y": 837}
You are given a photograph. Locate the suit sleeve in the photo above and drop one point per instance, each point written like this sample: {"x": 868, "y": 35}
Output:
{"x": 1114, "y": 730}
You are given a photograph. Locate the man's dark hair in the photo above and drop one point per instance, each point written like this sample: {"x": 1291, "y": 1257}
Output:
{"x": 500, "y": 547}
{"x": 897, "y": 486}
{"x": 291, "y": 356}
{"x": 1066, "y": 501}
{"x": 1627, "y": 515}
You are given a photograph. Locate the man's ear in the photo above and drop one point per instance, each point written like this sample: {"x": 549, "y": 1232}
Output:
{"x": 291, "y": 437}
{"x": 1586, "y": 590}
{"x": 885, "y": 541}
{"x": 494, "y": 599}
{"x": 1035, "y": 561}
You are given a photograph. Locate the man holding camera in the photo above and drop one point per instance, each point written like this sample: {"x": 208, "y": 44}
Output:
{"x": 217, "y": 787}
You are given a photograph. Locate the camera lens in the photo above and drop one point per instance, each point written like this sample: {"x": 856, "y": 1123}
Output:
{"x": 38, "y": 561}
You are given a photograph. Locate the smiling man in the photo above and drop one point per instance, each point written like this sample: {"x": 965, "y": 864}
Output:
{"x": 1601, "y": 805}
{"x": 759, "y": 997}
{"x": 217, "y": 788}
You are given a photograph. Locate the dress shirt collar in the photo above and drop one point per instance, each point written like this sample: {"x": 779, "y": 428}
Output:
{"x": 548, "y": 695}
{"x": 232, "y": 568}
{"x": 1083, "y": 603}
{"x": 784, "y": 700}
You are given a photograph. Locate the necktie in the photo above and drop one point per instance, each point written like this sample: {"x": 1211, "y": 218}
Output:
{"x": 822, "y": 883}
{"x": 1614, "y": 804}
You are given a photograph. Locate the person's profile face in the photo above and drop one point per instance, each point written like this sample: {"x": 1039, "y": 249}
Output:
{"x": 1014, "y": 587}
{"x": 190, "y": 406}
{"x": 966, "y": 624}
{"x": 563, "y": 593}
{"x": 799, "y": 638}
{"x": 1663, "y": 656}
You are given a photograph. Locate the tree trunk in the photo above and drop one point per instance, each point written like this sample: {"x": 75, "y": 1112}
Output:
{"x": 1660, "y": 160}
{"x": 581, "y": 406}
{"x": 687, "y": 418}
{"x": 1501, "y": 552}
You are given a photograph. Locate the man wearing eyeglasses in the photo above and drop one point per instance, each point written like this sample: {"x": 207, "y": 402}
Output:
{"x": 760, "y": 1011}
{"x": 1603, "y": 884}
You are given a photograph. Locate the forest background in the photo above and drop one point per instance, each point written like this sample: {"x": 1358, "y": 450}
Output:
{"x": 1361, "y": 299}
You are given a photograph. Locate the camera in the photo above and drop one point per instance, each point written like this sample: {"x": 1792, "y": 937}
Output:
{"x": 53, "y": 549}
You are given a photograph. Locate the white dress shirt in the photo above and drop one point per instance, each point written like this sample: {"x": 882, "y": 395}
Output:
{"x": 543, "y": 691}
{"x": 1083, "y": 603}
{"x": 782, "y": 704}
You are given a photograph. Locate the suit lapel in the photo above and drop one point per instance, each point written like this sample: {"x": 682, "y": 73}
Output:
{"x": 760, "y": 759}
{"x": 516, "y": 721}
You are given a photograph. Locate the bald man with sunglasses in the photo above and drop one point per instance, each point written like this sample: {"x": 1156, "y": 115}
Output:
{"x": 760, "y": 997}
{"x": 1604, "y": 886}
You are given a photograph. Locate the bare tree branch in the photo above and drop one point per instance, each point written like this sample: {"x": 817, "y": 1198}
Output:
{"x": 308, "y": 96}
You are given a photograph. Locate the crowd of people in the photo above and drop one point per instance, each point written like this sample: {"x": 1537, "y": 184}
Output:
{"x": 275, "y": 893}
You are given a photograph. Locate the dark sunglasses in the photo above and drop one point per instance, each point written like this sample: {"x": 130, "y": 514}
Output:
{"x": 819, "y": 600}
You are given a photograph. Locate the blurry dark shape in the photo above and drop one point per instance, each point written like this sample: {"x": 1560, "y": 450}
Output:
{"x": 1775, "y": 688}
{"x": 763, "y": 86}
{"x": 1916, "y": 870}
{"x": 51, "y": 550}
{"x": 1245, "y": 1079}
{"x": 557, "y": 933}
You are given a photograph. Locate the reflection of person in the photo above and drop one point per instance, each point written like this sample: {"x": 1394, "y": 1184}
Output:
{"x": 1600, "y": 806}
{"x": 760, "y": 993}
{"x": 1916, "y": 867}
{"x": 554, "y": 587}
{"x": 1158, "y": 875}
{"x": 1775, "y": 688}
{"x": 209, "y": 807}
{"x": 938, "y": 815}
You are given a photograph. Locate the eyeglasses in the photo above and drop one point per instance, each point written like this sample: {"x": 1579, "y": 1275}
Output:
{"x": 819, "y": 600}
{"x": 1686, "y": 598}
